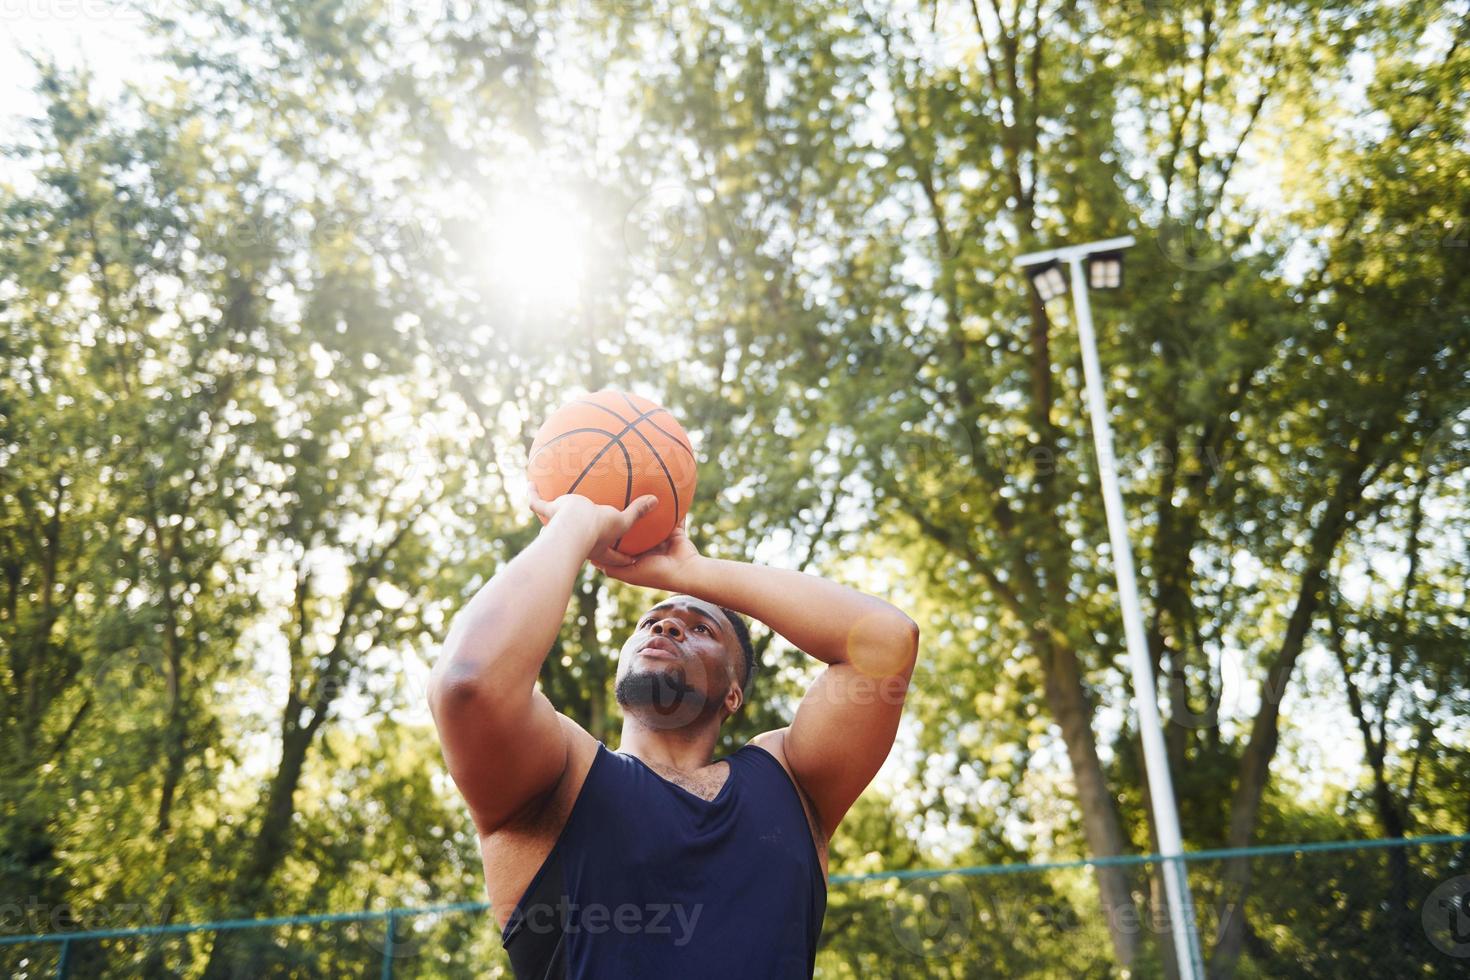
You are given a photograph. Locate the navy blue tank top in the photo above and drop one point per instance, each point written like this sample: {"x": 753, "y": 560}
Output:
{"x": 648, "y": 880}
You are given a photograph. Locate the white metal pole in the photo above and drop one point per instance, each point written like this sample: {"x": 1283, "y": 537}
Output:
{"x": 1160, "y": 784}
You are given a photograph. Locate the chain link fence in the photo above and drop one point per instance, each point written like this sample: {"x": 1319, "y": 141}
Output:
{"x": 1382, "y": 909}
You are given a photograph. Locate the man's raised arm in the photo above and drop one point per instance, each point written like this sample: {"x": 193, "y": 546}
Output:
{"x": 503, "y": 741}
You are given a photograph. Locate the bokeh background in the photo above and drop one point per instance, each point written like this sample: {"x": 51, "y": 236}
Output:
{"x": 287, "y": 287}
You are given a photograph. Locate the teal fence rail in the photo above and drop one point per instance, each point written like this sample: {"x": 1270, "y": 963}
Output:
{"x": 1350, "y": 909}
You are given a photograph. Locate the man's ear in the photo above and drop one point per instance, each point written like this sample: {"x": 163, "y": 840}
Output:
{"x": 734, "y": 699}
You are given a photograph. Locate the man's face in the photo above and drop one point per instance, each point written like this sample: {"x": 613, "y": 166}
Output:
{"x": 680, "y": 664}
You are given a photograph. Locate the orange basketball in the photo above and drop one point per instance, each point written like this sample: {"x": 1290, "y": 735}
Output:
{"x": 612, "y": 448}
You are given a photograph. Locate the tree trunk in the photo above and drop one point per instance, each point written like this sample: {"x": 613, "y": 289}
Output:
{"x": 1390, "y": 812}
{"x": 1100, "y": 822}
{"x": 1255, "y": 762}
{"x": 174, "y": 727}
{"x": 173, "y": 772}
{"x": 247, "y": 890}
{"x": 229, "y": 959}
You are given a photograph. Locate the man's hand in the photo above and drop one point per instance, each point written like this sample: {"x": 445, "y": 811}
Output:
{"x": 665, "y": 566}
{"x": 609, "y": 522}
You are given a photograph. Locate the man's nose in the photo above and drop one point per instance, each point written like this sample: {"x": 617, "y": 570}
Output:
{"x": 667, "y": 627}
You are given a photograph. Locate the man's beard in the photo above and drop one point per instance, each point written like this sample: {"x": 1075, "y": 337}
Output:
{"x": 660, "y": 698}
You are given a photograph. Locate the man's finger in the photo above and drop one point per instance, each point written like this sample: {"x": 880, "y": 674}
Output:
{"x": 662, "y": 548}
{"x": 641, "y": 506}
{"x": 538, "y": 504}
{"x": 612, "y": 556}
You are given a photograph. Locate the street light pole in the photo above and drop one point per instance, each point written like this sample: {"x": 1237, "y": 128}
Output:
{"x": 1160, "y": 783}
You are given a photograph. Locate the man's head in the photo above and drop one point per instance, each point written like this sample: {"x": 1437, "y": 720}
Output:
{"x": 686, "y": 660}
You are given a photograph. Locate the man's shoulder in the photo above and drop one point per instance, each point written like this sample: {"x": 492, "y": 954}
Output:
{"x": 579, "y": 739}
{"x": 773, "y": 742}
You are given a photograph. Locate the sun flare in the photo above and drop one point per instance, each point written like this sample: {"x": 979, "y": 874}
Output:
{"x": 536, "y": 255}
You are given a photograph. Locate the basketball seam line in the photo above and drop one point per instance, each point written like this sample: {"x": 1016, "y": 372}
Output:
{"x": 656, "y": 454}
{"x": 667, "y": 475}
{"x": 628, "y": 493}
{"x": 677, "y": 440}
{"x": 583, "y": 401}
{"x": 569, "y": 432}
{"x": 618, "y": 441}
{"x": 646, "y": 417}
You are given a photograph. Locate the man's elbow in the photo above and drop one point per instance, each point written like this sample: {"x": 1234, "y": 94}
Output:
{"x": 454, "y": 687}
{"x": 466, "y": 672}
{"x": 909, "y": 640}
{"x": 896, "y": 649}
{"x": 447, "y": 689}
{"x": 449, "y": 675}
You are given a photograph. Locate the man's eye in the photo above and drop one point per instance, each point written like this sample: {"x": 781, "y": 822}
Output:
{"x": 701, "y": 626}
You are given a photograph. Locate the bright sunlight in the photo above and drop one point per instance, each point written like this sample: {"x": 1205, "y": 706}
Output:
{"x": 536, "y": 249}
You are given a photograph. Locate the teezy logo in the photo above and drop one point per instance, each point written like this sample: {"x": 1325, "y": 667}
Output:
{"x": 1446, "y": 916}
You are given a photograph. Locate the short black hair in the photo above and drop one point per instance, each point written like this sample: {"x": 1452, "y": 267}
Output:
{"x": 742, "y": 631}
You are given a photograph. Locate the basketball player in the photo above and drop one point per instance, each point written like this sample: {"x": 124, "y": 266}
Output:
{"x": 656, "y": 860}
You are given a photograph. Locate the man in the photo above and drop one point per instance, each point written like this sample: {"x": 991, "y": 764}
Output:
{"x": 655, "y": 861}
